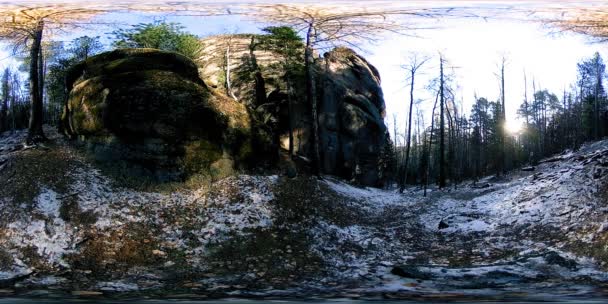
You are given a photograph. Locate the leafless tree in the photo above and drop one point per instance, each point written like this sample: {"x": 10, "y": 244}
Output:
{"x": 442, "y": 105}
{"x": 412, "y": 67}
{"x": 503, "y": 118}
{"x": 25, "y": 26}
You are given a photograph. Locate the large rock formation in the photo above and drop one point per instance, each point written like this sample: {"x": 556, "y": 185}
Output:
{"x": 256, "y": 79}
{"x": 351, "y": 105}
{"x": 351, "y": 117}
{"x": 150, "y": 108}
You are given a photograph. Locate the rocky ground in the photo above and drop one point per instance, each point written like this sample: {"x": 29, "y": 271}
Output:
{"x": 71, "y": 226}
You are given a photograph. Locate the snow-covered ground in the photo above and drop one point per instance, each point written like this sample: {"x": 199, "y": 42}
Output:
{"x": 541, "y": 229}
{"x": 540, "y": 226}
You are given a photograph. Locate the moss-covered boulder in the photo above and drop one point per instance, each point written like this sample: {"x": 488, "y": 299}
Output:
{"x": 150, "y": 108}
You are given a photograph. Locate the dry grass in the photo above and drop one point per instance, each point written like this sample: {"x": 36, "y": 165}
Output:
{"x": 117, "y": 251}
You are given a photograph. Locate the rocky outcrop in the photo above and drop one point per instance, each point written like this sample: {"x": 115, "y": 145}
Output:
{"x": 256, "y": 79}
{"x": 236, "y": 54}
{"x": 150, "y": 108}
{"x": 351, "y": 105}
{"x": 351, "y": 117}
{"x": 155, "y": 109}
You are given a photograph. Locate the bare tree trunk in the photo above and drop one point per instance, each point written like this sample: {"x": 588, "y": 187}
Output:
{"x": 41, "y": 72}
{"x": 526, "y": 99}
{"x": 596, "y": 108}
{"x": 442, "y": 177}
{"x": 424, "y": 152}
{"x": 13, "y": 104}
{"x": 428, "y": 155}
{"x": 536, "y": 117}
{"x": 409, "y": 131}
{"x": 289, "y": 105}
{"x": 35, "y": 132}
{"x": 3, "y": 114}
{"x": 503, "y": 121}
{"x": 526, "y": 107}
{"x": 564, "y": 138}
{"x": 395, "y": 129}
{"x": 311, "y": 97}
{"x": 419, "y": 121}
{"x": 5, "y": 97}
{"x": 228, "y": 83}
{"x": 65, "y": 126}
{"x": 450, "y": 170}
{"x": 290, "y": 116}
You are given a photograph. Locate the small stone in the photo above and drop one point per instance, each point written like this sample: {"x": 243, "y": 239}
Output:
{"x": 193, "y": 285}
{"x": 443, "y": 225}
{"x": 291, "y": 171}
{"x": 86, "y": 293}
{"x": 159, "y": 252}
{"x": 169, "y": 264}
{"x": 185, "y": 296}
{"x": 37, "y": 293}
{"x": 598, "y": 173}
{"x": 411, "y": 272}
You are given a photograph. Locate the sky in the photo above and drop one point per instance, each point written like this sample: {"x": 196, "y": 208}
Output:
{"x": 473, "y": 47}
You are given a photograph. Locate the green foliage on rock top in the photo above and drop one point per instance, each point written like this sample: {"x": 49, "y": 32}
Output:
{"x": 158, "y": 35}
{"x": 285, "y": 42}
{"x": 129, "y": 60}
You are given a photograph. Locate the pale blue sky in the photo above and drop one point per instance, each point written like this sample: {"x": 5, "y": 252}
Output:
{"x": 473, "y": 47}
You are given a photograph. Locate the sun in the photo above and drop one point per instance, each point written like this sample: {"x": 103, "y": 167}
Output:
{"x": 513, "y": 126}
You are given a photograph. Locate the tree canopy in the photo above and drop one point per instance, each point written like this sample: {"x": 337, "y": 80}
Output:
{"x": 158, "y": 35}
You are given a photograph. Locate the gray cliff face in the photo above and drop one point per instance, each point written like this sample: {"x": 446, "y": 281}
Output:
{"x": 351, "y": 110}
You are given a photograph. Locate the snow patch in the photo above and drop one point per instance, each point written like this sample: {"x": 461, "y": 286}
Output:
{"x": 52, "y": 239}
{"x": 47, "y": 203}
{"x": 373, "y": 200}
{"x": 117, "y": 286}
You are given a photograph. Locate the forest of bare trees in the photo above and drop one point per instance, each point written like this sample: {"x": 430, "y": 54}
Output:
{"x": 458, "y": 146}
